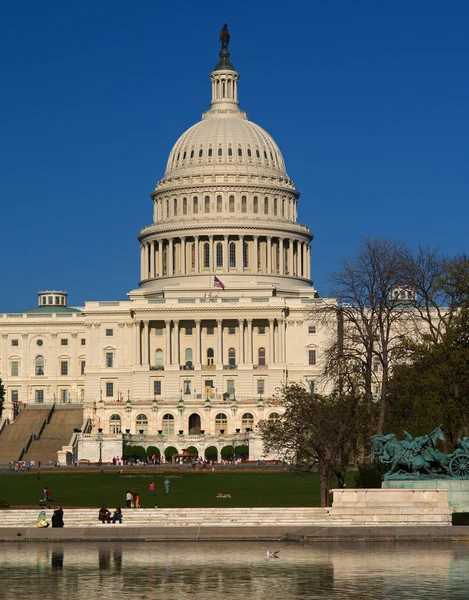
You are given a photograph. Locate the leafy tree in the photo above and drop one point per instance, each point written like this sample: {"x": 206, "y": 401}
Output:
{"x": 323, "y": 432}
{"x": 211, "y": 453}
{"x": 153, "y": 451}
{"x": 242, "y": 451}
{"x": 227, "y": 451}
{"x": 2, "y": 397}
{"x": 169, "y": 452}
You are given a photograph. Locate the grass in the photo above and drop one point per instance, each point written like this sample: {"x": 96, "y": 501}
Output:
{"x": 186, "y": 489}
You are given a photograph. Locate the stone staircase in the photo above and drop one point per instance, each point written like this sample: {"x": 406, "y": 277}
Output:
{"x": 56, "y": 433}
{"x": 182, "y": 517}
{"x": 16, "y": 435}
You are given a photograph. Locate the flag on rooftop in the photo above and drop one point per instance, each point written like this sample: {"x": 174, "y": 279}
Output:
{"x": 218, "y": 283}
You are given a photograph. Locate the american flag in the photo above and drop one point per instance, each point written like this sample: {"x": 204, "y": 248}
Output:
{"x": 218, "y": 283}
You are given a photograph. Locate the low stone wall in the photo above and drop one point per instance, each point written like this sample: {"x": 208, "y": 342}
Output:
{"x": 458, "y": 489}
{"x": 381, "y": 507}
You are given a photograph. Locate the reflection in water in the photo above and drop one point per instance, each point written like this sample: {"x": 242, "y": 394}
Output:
{"x": 197, "y": 570}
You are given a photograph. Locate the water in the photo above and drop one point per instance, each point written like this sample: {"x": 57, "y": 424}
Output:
{"x": 233, "y": 571}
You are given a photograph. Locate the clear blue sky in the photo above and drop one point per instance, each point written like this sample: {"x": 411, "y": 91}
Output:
{"x": 367, "y": 100}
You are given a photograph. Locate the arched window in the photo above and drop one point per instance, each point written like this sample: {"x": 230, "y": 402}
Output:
{"x": 206, "y": 255}
{"x": 39, "y": 364}
{"x": 168, "y": 424}
{"x": 184, "y": 206}
{"x": 210, "y": 356}
{"x": 230, "y": 151}
{"x": 231, "y": 204}
{"x": 221, "y": 423}
{"x": 274, "y": 416}
{"x": 159, "y": 356}
{"x": 255, "y": 204}
{"x": 275, "y": 206}
{"x": 247, "y": 421}
{"x": 195, "y": 205}
{"x": 219, "y": 203}
{"x": 220, "y": 151}
{"x": 240, "y": 152}
{"x": 193, "y": 255}
{"x": 184, "y": 155}
{"x": 175, "y": 212}
{"x": 192, "y": 153}
{"x": 258, "y": 154}
{"x": 261, "y": 356}
{"x": 245, "y": 255}
{"x": 141, "y": 423}
{"x": 210, "y": 153}
{"x": 201, "y": 153}
{"x": 232, "y": 254}
{"x": 188, "y": 357}
{"x": 283, "y": 207}
{"x": 266, "y": 206}
{"x": 115, "y": 424}
{"x": 244, "y": 204}
{"x": 232, "y": 357}
{"x": 167, "y": 208}
{"x": 265, "y": 155}
{"x": 219, "y": 255}
{"x": 207, "y": 204}
{"x": 249, "y": 152}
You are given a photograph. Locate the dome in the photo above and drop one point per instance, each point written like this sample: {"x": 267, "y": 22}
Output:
{"x": 226, "y": 144}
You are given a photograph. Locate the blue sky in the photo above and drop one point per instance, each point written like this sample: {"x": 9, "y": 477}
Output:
{"x": 367, "y": 100}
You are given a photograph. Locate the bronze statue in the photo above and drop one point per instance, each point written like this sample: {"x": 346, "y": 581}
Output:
{"x": 224, "y": 36}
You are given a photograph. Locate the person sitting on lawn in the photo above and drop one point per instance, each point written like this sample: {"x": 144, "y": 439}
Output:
{"x": 104, "y": 515}
{"x": 117, "y": 516}
{"x": 41, "y": 519}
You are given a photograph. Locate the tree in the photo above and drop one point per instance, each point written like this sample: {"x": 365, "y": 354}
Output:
{"x": 366, "y": 316}
{"x": 2, "y": 397}
{"x": 316, "y": 431}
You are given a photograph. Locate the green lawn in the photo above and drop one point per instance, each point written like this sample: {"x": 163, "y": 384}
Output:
{"x": 186, "y": 489}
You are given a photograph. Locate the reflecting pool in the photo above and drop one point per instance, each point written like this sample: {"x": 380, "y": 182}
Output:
{"x": 233, "y": 570}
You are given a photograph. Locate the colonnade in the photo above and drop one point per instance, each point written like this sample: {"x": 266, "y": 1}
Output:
{"x": 243, "y": 346}
{"x": 188, "y": 255}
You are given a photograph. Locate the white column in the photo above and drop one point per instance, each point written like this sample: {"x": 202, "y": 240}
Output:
{"x": 290, "y": 257}
{"x": 183, "y": 255}
{"x": 167, "y": 354}
{"x": 145, "y": 343}
{"x": 239, "y": 255}
{"x": 281, "y": 329}
{"x": 142, "y": 261}
{"x": 269, "y": 255}
{"x": 160, "y": 258}
{"x": 220, "y": 341}
{"x": 271, "y": 342}
{"x": 176, "y": 343}
{"x": 137, "y": 343}
{"x": 145, "y": 266}
{"x": 281, "y": 257}
{"x": 308, "y": 261}
{"x": 241, "y": 252}
{"x": 249, "y": 342}
{"x": 197, "y": 342}
{"x": 152, "y": 259}
{"x": 226, "y": 256}
{"x": 170, "y": 257}
{"x": 241, "y": 342}
{"x": 255, "y": 253}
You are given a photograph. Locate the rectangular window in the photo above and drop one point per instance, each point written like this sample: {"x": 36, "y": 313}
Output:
{"x": 230, "y": 386}
{"x": 109, "y": 332}
{"x": 260, "y": 386}
{"x": 15, "y": 343}
{"x": 312, "y": 329}
{"x": 158, "y": 331}
{"x": 209, "y": 330}
{"x": 83, "y": 341}
{"x": 64, "y": 342}
{"x": 231, "y": 330}
{"x": 209, "y": 387}
{"x": 64, "y": 367}
{"x": 187, "y": 386}
{"x": 14, "y": 395}
{"x": 39, "y": 396}
{"x": 311, "y": 357}
{"x": 188, "y": 330}
{"x": 109, "y": 389}
{"x": 312, "y": 386}
{"x": 109, "y": 359}
{"x": 64, "y": 396}
{"x": 376, "y": 366}
{"x": 261, "y": 330}
{"x": 15, "y": 368}
{"x": 157, "y": 387}
{"x": 82, "y": 367}
{"x": 81, "y": 394}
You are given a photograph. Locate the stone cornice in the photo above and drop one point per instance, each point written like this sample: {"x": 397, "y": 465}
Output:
{"x": 180, "y": 230}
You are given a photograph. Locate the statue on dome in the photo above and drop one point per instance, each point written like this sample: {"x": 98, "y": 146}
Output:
{"x": 224, "y": 36}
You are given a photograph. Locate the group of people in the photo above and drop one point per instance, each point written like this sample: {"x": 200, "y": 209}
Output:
{"x": 57, "y": 517}
{"x": 132, "y": 499}
{"x": 105, "y": 516}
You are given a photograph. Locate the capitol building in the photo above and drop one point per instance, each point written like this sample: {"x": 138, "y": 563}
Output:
{"x": 220, "y": 319}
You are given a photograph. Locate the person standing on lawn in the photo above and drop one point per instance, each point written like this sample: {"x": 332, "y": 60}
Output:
{"x": 166, "y": 485}
{"x": 152, "y": 488}
{"x": 128, "y": 499}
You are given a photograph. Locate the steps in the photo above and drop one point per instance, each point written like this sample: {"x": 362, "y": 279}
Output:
{"x": 56, "y": 433}
{"x": 15, "y": 436}
{"x": 181, "y": 517}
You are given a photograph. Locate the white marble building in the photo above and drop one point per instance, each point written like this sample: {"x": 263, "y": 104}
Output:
{"x": 183, "y": 361}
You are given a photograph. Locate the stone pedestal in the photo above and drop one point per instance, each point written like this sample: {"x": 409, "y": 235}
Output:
{"x": 458, "y": 489}
{"x": 384, "y": 507}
